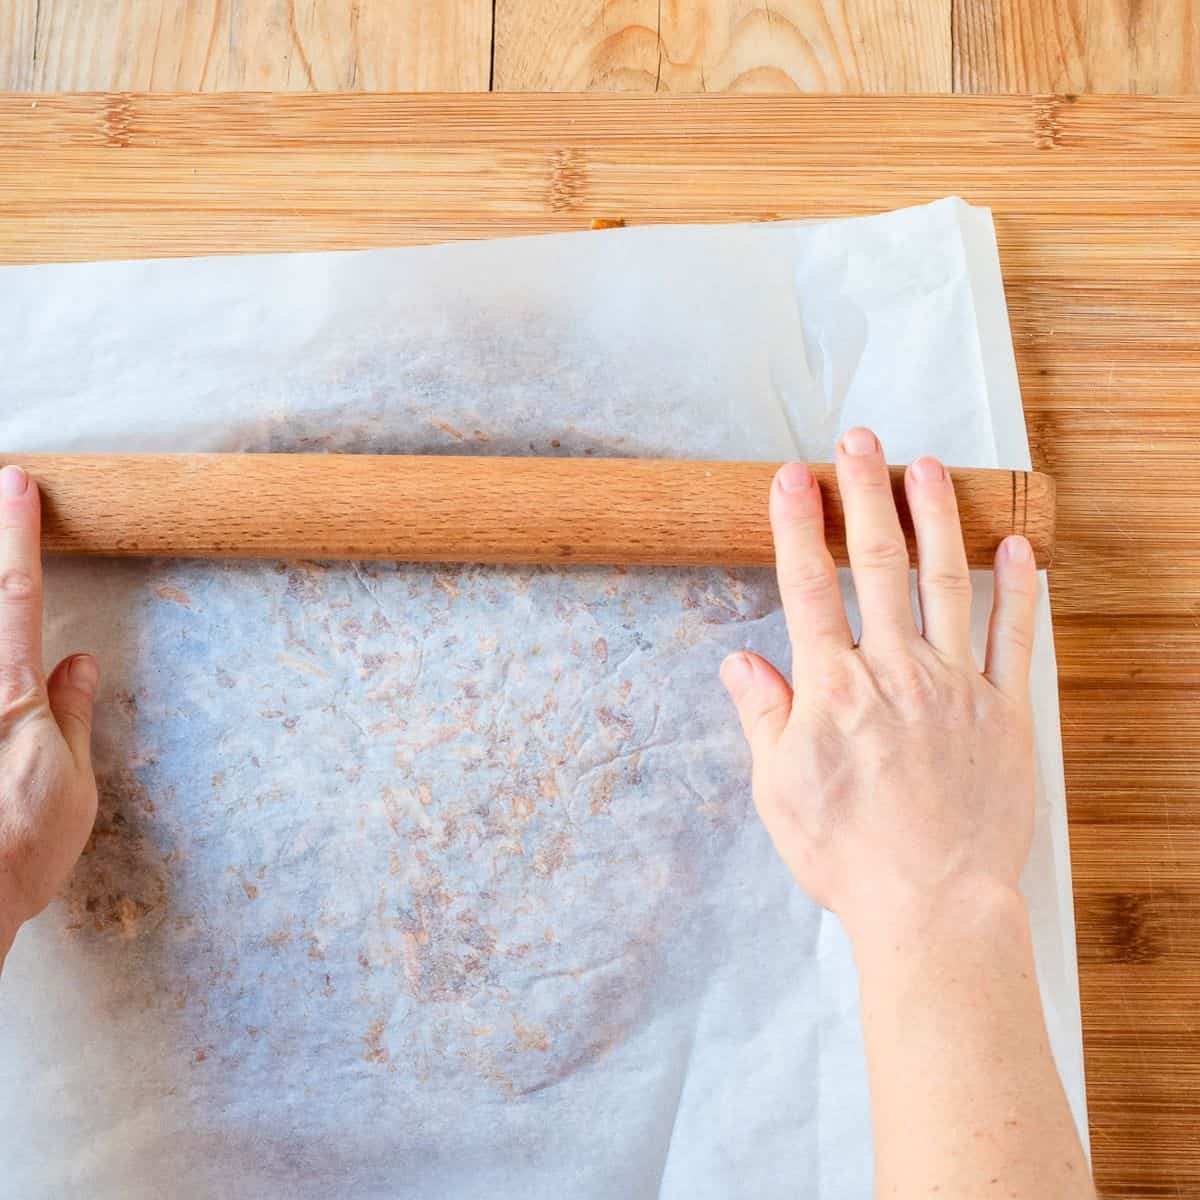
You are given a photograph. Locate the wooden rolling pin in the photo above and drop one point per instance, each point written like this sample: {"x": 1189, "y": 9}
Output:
{"x": 476, "y": 509}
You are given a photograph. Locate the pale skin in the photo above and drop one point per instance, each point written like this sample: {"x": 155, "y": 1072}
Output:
{"x": 895, "y": 778}
{"x": 47, "y": 787}
{"x": 897, "y": 782}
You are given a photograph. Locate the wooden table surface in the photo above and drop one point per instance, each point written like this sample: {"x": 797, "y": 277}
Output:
{"x": 1097, "y": 209}
{"x": 608, "y": 45}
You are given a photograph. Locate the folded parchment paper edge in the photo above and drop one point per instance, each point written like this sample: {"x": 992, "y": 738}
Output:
{"x": 1012, "y": 451}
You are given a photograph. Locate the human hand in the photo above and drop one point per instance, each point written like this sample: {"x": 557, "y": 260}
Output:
{"x": 893, "y": 776}
{"x": 47, "y": 788}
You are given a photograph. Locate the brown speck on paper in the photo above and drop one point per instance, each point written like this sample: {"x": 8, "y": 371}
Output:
{"x": 374, "y": 1051}
{"x": 446, "y": 949}
{"x": 120, "y": 883}
{"x": 601, "y": 798}
{"x": 554, "y": 855}
{"x": 175, "y": 595}
{"x": 621, "y": 723}
{"x": 532, "y": 1037}
{"x": 446, "y": 427}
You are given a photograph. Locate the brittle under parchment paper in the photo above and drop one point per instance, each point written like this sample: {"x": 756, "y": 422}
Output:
{"x": 445, "y": 881}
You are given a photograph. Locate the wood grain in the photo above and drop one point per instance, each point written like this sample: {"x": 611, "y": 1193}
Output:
{"x": 451, "y": 508}
{"x": 722, "y": 45}
{"x": 1097, "y": 210}
{"x": 219, "y": 45}
{"x": 1121, "y": 46}
{"x": 859, "y": 46}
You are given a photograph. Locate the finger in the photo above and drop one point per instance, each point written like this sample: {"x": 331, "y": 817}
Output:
{"x": 762, "y": 697}
{"x": 808, "y": 583}
{"x": 943, "y": 579}
{"x": 1010, "y": 632}
{"x": 72, "y": 690}
{"x": 20, "y": 574}
{"x": 874, "y": 540}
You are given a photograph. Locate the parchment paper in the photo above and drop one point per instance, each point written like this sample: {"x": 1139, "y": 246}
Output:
{"x": 415, "y": 882}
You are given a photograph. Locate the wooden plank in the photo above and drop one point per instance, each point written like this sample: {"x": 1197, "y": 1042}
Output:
{"x": 856, "y": 46}
{"x": 18, "y": 19}
{"x": 722, "y": 45}
{"x": 1097, "y": 207}
{"x": 214, "y": 46}
{"x": 1119, "y": 46}
{"x": 474, "y": 509}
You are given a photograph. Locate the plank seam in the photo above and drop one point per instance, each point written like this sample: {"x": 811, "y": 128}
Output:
{"x": 492, "y": 53}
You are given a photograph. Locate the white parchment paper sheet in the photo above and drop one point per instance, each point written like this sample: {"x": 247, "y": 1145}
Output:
{"x": 415, "y": 882}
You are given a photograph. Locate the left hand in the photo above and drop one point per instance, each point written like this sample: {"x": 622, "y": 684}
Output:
{"x": 47, "y": 787}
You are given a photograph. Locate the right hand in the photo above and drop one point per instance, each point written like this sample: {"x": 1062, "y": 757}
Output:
{"x": 893, "y": 775}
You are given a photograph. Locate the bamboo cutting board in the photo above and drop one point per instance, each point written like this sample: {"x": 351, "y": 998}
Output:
{"x": 1097, "y": 207}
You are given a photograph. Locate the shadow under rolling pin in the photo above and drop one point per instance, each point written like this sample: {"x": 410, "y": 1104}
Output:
{"x": 432, "y": 508}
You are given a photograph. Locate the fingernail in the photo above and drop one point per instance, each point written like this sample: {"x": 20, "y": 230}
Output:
{"x": 84, "y": 672}
{"x": 1018, "y": 550}
{"x": 928, "y": 470}
{"x": 13, "y": 482}
{"x": 735, "y": 671}
{"x": 859, "y": 442}
{"x": 795, "y": 477}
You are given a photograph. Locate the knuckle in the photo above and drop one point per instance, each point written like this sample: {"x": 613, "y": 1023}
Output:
{"x": 1016, "y": 638}
{"x": 909, "y": 678}
{"x": 17, "y": 586}
{"x": 806, "y": 581}
{"x": 880, "y": 554}
{"x": 74, "y": 715}
{"x": 841, "y": 682}
{"x": 918, "y": 685}
{"x": 952, "y": 583}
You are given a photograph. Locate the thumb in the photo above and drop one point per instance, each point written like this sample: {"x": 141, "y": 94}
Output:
{"x": 72, "y": 691}
{"x": 762, "y": 697}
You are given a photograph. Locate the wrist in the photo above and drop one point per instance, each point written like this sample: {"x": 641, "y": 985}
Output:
{"x": 954, "y": 919}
